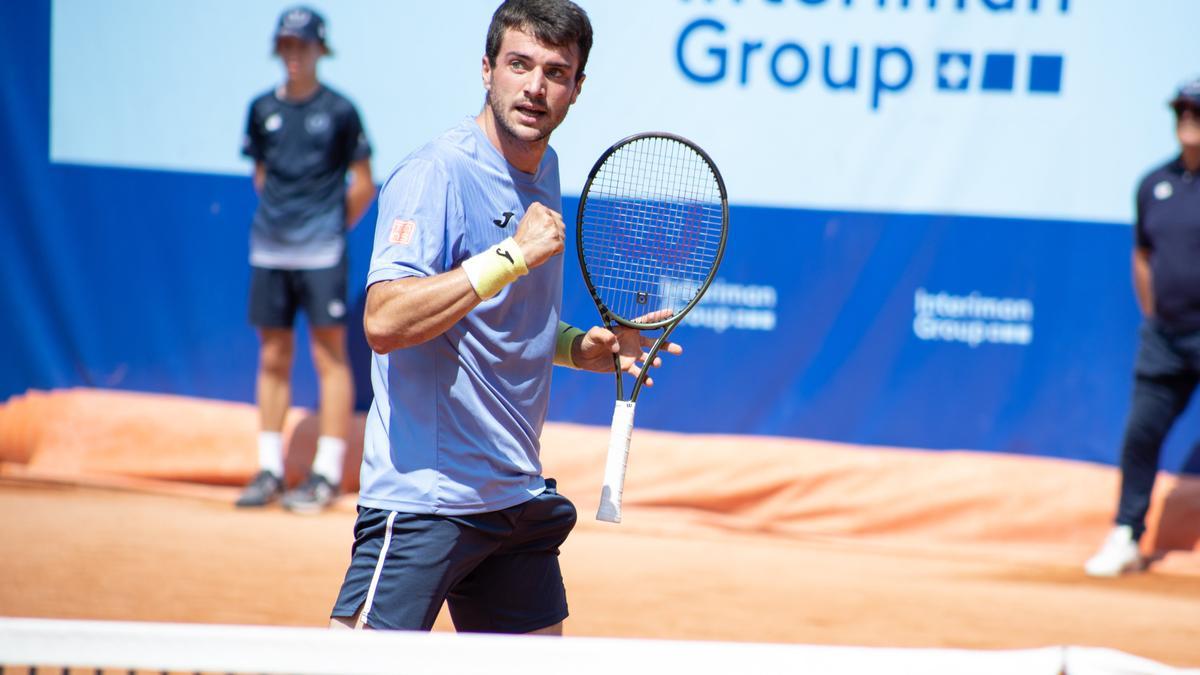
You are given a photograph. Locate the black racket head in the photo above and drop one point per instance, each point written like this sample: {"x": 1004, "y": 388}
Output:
{"x": 651, "y": 229}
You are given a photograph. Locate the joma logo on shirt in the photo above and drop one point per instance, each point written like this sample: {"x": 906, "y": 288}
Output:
{"x": 507, "y": 217}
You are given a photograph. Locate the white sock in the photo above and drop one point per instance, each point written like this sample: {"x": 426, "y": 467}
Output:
{"x": 270, "y": 452}
{"x": 328, "y": 462}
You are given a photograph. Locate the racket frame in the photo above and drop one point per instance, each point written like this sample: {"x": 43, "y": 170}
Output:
{"x": 610, "y": 319}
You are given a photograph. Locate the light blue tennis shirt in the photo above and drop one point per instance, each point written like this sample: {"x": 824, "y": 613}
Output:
{"x": 455, "y": 423}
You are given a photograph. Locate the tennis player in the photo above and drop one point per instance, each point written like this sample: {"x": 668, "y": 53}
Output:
{"x": 463, "y": 302}
{"x": 304, "y": 139}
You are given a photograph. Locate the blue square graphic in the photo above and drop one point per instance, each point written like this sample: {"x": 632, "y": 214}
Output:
{"x": 953, "y": 71}
{"x": 998, "y": 72}
{"x": 1045, "y": 73}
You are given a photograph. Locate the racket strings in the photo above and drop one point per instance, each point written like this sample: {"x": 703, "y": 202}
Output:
{"x": 652, "y": 228}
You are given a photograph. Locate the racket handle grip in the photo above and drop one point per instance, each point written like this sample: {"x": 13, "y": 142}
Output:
{"x": 614, "y": 466}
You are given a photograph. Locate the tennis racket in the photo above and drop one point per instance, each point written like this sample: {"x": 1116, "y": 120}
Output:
{"x": 651, "y": 231}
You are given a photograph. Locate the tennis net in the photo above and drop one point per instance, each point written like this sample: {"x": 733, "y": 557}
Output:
{"x": 44, "y": 645}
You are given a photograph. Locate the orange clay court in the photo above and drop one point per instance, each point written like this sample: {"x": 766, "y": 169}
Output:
{"x": 118, "y": 506}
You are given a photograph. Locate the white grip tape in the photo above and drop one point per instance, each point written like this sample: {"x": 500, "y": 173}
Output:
{"x": 614, "y": 466}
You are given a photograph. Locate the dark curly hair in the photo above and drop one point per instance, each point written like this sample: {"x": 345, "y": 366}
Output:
{"x": 552, "y": 22}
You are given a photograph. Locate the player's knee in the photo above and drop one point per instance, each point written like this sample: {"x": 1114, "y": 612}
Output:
{"x": 275, "y": 357}
{"x": 341, "y": 623}
{"x": 329, "y": 359}
{"x": 348, "y": 622}
{"x": 556, "y": 630}
{"x": 330, "y": 353}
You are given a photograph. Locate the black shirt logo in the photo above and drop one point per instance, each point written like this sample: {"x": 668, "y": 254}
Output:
{"x": 507, "y": 217}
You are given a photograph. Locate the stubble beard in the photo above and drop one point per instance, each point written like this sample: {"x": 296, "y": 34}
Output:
{"x": 505, "y": 128}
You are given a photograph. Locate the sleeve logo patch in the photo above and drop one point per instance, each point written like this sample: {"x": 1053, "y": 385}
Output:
{"x": 402, "y": 232}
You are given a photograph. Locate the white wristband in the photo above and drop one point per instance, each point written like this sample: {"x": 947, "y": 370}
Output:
{"x": 495, "y": 268}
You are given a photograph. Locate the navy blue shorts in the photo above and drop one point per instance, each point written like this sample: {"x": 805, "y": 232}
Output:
{"x": 497, "y": 571}
{"x": 277, "y": 295}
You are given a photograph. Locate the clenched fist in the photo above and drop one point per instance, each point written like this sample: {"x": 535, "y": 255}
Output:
{"x": 541, "y": 234}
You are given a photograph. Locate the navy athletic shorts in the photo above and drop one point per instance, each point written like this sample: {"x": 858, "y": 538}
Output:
{"x": 497, "y": 571}
{"x": 277, "y": 295}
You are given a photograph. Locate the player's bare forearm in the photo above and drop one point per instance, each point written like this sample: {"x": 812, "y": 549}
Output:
{"x": 406, "y": 312}
{"x": 260, "y": 177}
{"x": 1143, "y": 288}
{"x": 360, "y": 193}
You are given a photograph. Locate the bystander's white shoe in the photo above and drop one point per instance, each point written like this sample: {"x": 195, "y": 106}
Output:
{"x": 1118, "y": 555}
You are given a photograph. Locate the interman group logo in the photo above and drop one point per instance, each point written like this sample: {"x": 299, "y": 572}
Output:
{"x": 710, "y": 51}
{"x": 999, "y": 72}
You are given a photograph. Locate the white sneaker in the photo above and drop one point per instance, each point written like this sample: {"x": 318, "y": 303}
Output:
{"x": 1118, "y": 555}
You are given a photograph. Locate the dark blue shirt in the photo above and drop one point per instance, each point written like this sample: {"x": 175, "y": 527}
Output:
{"x": 307, "y": 147}
{"x": 1168, "y": 226}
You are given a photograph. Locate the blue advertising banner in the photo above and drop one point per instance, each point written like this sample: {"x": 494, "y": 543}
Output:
{"x": 930, "y": 200}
